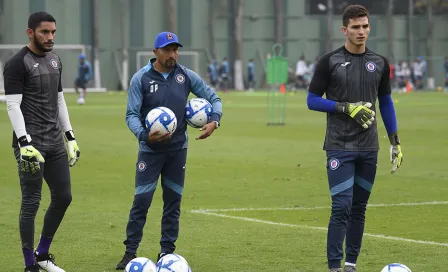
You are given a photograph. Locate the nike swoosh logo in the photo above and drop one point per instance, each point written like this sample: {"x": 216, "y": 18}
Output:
{"x": 345, "y": 64}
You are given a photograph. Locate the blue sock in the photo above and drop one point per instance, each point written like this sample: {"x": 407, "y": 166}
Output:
{"x": 28, "y": 255}
{"x": 44, "y": 245}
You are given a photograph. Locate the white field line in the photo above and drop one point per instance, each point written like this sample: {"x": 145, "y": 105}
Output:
{"x": 379, "y": 236}
{"x": 317, "y": 207}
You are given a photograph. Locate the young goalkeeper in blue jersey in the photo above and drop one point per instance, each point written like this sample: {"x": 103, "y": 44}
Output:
{"x": 352, "y": 77}
{"x": 162, "y": 155}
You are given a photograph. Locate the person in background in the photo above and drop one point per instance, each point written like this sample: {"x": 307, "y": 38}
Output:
{"x": 251, "y": 74}
{"x": 224, "y": 71}
{"x": 212, "y": 74}
{"x": 84, "y": 75}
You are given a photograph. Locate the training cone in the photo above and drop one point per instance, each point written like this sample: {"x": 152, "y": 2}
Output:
{"x": 282, "y": 89}
{"x": 408, "y": 87}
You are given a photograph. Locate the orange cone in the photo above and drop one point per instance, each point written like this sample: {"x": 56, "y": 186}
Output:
{"x": 408, "y": 87}
{"x": 282, "y": 89}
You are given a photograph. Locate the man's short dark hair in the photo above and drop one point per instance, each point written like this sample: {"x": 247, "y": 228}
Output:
{"x": 352, "y": 12}
{"x": 38, "y": 17}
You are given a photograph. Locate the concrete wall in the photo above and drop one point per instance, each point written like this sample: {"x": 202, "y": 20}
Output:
{"x": 303, "y": 33}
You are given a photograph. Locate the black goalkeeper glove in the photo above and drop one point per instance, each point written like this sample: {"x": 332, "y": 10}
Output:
{"x": 359, "y": 111}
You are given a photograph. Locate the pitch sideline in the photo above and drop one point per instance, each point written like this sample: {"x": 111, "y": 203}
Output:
{"x": 214, "y": 212}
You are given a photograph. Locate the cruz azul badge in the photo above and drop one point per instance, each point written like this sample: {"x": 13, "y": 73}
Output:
{"x": 334, "y": 164}
{"x": 371, "y": 66}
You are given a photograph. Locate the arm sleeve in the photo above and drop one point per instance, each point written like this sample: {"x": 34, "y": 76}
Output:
{"x": 385, "y": 102}
{"x": 387, "y": 110}
{"x": 135, "y": 98}
{"x": 14, "y": 76}
{"x": 202, "y": 90}
{"x": 318, "y": 103}
{"x": 64, "y": 119}
{"x": 322, "y": 77}
{"x": 13, "y": 102}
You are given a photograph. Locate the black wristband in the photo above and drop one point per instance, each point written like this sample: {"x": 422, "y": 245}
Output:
{"x": 393, "y": 139}
{"x": 24, "y": 141}
{"x": 341, "y": 107}
{"x": 69, "y": 135}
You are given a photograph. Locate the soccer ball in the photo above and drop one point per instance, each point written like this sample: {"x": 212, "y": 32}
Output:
{"x": 140, "y": 264}
{"x": 173, "y": 263}
{"x": 161, "y": 119}
{"x": 81, "y": 101}
{"x": 396, "y": 267}
{"x": 198, "y": 112}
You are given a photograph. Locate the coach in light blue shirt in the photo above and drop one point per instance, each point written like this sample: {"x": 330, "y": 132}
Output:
{"x": 162, "y": 82}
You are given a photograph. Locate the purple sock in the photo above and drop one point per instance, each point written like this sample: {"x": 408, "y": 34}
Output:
{"x": 28, "y": 255}
{"x": 44, "y": 245}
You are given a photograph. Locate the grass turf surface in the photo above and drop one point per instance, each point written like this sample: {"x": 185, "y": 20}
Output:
{"x": 245, "y": 164}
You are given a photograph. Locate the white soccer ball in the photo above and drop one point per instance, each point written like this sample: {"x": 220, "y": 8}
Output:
{"x": 396, "y": 267}
{"x": 198, "y": 112}
{"x": 140, "y": 264}
{"x": 161, "y": 119}
{"x": 81, "y": 101}
{"x": 321, "y": 7}
{"x": 173, "y": 263}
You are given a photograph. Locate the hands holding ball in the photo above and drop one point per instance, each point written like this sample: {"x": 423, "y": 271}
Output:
{"x": 162, "y": 122}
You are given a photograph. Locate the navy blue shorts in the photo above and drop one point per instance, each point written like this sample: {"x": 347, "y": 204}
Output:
{"x": 346, "y": 168}
{"x": 80, "y": 83}
{"x": 169, "y": 165}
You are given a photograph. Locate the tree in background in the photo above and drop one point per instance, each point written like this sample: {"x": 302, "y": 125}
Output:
{"x": 211, "y": 27}
{"x": 390, "y": 34}
{"x": 238, "y": 34}
{"x": 171, "y": 13}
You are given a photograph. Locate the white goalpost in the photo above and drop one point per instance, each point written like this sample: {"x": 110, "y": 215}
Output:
{"x": 69, "y": 55}
{"x": 190, "y": 59}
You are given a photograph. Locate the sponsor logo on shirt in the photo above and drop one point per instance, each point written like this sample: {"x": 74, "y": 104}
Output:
{"x": 153, "y": 87}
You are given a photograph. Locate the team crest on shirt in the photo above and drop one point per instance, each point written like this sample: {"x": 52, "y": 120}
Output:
{"x": 371, "y": 66}
{"x": 180, "y": 78}
{"x": 334, "y": 164}
{"x": 141, "y": 166}
{"x": 54, "y": 63}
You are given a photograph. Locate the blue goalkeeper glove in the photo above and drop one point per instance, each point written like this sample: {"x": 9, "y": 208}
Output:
{"x": 359, "y": 111}
{"x": 72, "y": 148}
{"x": 396, "y": 157}
{"x": 30, "y": 157}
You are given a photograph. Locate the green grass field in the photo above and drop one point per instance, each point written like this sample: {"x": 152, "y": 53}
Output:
{"x": 256, "y": 196}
